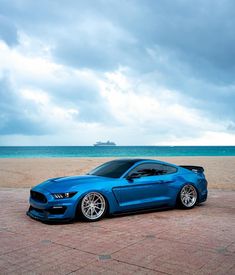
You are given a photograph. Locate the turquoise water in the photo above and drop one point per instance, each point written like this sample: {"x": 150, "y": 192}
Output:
{"x": 113, "y": 151}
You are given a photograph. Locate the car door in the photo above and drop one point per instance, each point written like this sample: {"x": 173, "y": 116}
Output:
{"x": 148, "y": 190}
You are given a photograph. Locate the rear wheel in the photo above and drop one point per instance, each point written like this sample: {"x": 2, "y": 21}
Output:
{"x": 188, "y": 196}
{"x": 93, "y": 206}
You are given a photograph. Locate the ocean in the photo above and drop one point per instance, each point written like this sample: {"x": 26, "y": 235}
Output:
{"x": 113, "y": 151}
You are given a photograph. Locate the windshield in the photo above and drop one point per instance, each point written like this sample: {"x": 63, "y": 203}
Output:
{"x": 112, "y": 169}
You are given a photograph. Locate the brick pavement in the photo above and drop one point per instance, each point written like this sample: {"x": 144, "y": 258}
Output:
{"x": 197, "y": 241}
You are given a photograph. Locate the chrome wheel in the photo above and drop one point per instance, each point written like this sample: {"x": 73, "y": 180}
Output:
{"x": 188, "y": 196}
{"x": 93, "y": 206}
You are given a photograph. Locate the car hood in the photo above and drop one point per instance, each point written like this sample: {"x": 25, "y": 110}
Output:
{"x": 68, "y": 184}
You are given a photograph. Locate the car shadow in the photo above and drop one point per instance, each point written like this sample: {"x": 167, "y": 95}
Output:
{"x": 121, "y": 215}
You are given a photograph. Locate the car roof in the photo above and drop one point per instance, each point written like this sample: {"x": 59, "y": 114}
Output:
{"x": 133, "y": 160}
{"x": 136, "y": 160}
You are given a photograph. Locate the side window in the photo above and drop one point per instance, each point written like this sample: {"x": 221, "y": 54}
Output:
{"x": 152, "y": 169}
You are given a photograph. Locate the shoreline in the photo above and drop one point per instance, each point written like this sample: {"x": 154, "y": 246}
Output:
{"x": 115, "y": 157}
{"x": 27, "y": 172}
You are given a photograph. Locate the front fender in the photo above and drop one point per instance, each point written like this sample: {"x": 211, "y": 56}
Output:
{"x": 108, "y": 195}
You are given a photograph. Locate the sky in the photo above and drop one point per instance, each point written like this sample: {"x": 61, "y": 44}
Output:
{"x": 135, "y": 72}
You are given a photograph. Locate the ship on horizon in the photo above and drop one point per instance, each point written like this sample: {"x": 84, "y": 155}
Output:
{"x": 107, "y": 143}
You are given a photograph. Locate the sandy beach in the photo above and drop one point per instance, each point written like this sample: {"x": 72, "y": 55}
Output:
{"x": 220, "y": 171}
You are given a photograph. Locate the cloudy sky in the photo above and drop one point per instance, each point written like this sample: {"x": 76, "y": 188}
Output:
{"x": 136, "y": 72}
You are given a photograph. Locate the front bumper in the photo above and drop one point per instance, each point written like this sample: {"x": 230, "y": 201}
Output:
{"x": 47, "y": 214}
{"x": 53, "y": 209}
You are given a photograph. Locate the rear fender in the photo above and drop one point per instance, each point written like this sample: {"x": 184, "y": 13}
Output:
{"x": 182, "y": 185}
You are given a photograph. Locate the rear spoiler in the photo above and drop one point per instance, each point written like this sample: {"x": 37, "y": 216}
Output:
{"x": 195, "y": 169}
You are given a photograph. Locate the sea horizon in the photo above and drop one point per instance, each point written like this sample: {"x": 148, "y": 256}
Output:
{"x": 113, "y": 151}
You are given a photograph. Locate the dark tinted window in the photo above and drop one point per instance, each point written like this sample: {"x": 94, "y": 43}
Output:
{"x": 112, "y": 169}
{"x": 152, "y": 169}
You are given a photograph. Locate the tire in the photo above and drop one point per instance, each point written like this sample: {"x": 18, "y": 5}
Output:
{"x": 93, "y": 207}
{"x": 187, "y": 196}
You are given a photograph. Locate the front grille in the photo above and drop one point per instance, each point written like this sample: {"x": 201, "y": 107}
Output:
{"x": 38, "y": 196}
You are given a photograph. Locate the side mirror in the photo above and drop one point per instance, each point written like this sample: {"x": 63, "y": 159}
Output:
{"x": 133, "y": 176}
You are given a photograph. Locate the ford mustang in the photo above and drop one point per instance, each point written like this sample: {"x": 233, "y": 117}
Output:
{"x": 118, "y": 186}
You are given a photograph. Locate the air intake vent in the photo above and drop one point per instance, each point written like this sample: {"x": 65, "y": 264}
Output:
{"x": 38, "y": 196}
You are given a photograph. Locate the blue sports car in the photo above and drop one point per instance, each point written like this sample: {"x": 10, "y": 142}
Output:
{"x": 123, "y": 185}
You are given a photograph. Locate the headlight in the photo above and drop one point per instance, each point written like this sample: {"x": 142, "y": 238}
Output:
{"x": 63, "y": 195}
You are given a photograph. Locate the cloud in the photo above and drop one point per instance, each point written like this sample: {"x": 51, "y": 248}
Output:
{"x": 79, "y": 89}
{"x": 17, "y": 114}
{"x": 80, "y": 31}
{"x": 97, "y": 43}
{"x": 8, "y": 31}
{"x": 152, "y": 110}
{"x": 40, "y": 97}
{"x": 155, "y": 72}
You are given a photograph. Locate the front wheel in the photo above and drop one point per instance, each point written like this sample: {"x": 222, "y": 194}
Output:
{"x": 93, "y": 206}
{"x": 188, "y": 196}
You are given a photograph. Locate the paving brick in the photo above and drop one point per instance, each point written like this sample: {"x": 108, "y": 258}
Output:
{"x": 199, "y": 241}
